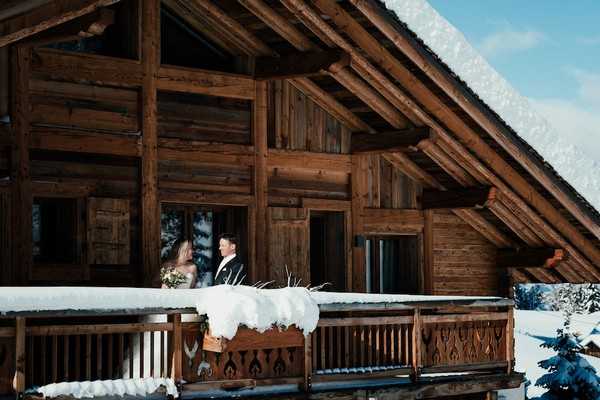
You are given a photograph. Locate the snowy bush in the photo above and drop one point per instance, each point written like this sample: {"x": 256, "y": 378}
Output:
{"x": 569, "y": 375}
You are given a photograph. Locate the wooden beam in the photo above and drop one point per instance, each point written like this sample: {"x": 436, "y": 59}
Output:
{"x": 59, "y": 139}
{"x": 331, "y": 105}
{"x": 395, "y": 141}
{"x": 359, "y": 187}
{"x": 211, "y": 83}
{"x": 309, "y": 160}
{"x": 530, "y": 257}
{"x": 20, "y": 173}
{"x": 457, "y": 198}
{"x": 47, "y": 16}
{"x": 19, "y": 384}
{"x": 279, "y": 24}
{"x": 298, "y": 65}
{"x": 150, "y": 209}
{"x": 406, "y": 43}
{"x": 443, "y": 112}
{"x": 386, "y": 221}
{"x": 87, "y": 68}
{"x": 447, "y": 163}
{"x": 90, "y": 25}
{"x": 261, "y": 189}
{"x": 204, "y": 152}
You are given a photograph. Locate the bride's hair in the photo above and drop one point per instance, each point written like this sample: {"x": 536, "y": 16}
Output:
{"x": 177, "y": 250}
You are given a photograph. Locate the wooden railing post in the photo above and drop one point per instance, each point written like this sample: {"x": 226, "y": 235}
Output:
{"x": 177, "y": 360}
{"x": 19, "y": 379}
{"x": 308, "y": 362}
{"x": 416, "y": 345}
{"x": 510, "y": 342}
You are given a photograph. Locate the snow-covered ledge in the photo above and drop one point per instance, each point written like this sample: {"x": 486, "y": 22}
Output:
{"x": 226, "y": 306}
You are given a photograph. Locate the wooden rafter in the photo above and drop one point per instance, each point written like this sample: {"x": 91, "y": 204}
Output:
{"x": 298, "y": 65}
{"x": 402, "y": 140}
{"x": 475, "y": 197}
{"x": 441, "y": 111}
{"x": 530, "y": 257}
{"x": 376, "y": 15}
{"x": 393, "y": 66}
{"x": 47, "y": 16}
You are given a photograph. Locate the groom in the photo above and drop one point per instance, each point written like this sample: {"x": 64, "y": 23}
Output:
{"x": 231, "y": 268}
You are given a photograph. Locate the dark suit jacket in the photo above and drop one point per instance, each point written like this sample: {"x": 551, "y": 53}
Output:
{"x": 233, "y": 268}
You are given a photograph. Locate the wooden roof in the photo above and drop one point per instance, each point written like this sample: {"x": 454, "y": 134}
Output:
{"x": 393, "y": 82}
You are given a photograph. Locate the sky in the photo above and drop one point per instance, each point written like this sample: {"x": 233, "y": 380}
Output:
{"x": 549, "y": 50}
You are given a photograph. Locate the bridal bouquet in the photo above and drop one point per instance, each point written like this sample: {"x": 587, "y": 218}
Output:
{"x": 171, "y": 277}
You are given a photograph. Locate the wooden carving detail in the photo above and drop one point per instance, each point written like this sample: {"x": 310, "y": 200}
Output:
{"x": 108, "y": 231}
{"x": 463, "y": 343}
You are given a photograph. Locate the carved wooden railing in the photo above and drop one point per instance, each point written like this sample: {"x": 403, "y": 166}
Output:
{"x": 352, "y": 341}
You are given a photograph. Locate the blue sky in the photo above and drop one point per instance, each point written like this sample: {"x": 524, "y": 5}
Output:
{"x": 549, "y": 50}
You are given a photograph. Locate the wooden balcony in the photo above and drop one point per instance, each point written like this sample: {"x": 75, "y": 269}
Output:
{"x": 433, "y": 347}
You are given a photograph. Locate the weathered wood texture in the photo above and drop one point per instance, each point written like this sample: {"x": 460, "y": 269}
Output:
{"x": 204, "y": 118}
{"x": 297, "y": 123}
{"x": 5, "y": 238}
{"x": 288, "y": 245}
{"x": 108, "y": 237}
{"x": 464, "y": 262}
{"x": 83, "y": 106}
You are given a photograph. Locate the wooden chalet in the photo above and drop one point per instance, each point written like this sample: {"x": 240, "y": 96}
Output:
{"x": 324, "y": 134}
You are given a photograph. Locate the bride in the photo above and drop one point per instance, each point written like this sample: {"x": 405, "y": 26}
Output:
{"x": 177, "y": 272}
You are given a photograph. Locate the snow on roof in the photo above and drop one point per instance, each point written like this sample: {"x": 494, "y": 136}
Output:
{"x": 450, "y": 45}
{"x": 115, "y": 387}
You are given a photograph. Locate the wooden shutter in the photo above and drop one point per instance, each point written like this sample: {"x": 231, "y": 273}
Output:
{"x": 108, "y": 231}
{"x": 5, "y": 236}
{"x": 288, "y": 244}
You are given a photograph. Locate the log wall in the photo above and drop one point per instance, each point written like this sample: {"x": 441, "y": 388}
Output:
{"x": 463, "y": 260}
{"x": 206, "y": 137}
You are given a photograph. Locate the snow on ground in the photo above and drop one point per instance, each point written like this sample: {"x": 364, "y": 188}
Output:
{"x": 531, "y": 329}
{"x": 117, "y": 387}
{"x": 582, "y": 172}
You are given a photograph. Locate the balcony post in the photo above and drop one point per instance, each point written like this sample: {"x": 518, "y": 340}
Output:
{"x": 177, "y": 358}
{"x": 308, "y": 362}
{"x": 510, "y": 342}
{"x": 416, "y": 345}
{"x": 19, "y": 379}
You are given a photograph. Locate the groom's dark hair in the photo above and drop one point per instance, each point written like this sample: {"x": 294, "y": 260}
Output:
{"x": 231, "y": 238}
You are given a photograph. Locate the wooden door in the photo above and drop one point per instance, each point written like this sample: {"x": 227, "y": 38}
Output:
{"x": 288, "y": 245}
{"x": 108, "y": 231}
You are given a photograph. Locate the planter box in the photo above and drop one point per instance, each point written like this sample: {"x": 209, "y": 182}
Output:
{"x": 250, "y": 339}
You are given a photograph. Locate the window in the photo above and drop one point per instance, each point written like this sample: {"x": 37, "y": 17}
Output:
{"x": 54, "y": 223}
{"x": 203, "y": 225}
{"x": 393, "y": 265}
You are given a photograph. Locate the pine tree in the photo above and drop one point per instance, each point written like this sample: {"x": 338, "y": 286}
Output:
{"x": 593, "y": 304}
{"x": 570, "y": 376}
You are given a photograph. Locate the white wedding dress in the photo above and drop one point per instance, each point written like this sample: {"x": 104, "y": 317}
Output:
{"x": 135, "y": 339}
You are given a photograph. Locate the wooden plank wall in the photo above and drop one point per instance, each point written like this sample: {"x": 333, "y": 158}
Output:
{"x": 5, "y": 237}
{"x": 463, "y": 260}
{"x": 297, "y": 123}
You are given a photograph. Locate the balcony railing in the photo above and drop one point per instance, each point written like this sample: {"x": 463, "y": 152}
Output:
{"x": 408, "y": 341}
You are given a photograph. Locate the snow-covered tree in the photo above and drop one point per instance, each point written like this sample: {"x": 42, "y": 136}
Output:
{"x": 569, "y": 376}
{"x": 593, "y": 304}
{"x": 568, "y": 298}
{"x": 528, "y": 297}
{"x": 171, "y": 229}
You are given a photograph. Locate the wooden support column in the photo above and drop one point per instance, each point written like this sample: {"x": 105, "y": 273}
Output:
{"x": 510, "y": 340}
{"x": 308, "y": 361}
{"x": 19, "y": 379}
{"x": 359, "y": 185}
{"x": 177, "y": 360}
{"x": 149, "y": 170}
{"x": 259, "y": 131}
{"x": 416, "y": 346}
{"x": 428, "y": 277}
{"x": 22, "y": 201}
